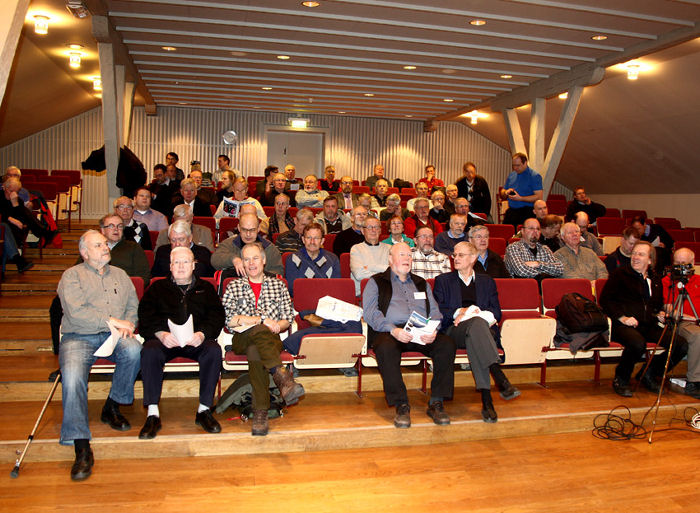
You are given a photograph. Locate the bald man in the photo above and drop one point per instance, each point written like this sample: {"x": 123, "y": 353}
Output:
{"x": 687, "y": 328}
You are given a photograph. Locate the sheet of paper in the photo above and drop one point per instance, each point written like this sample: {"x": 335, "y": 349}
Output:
{"x": 107, "y": 347}
{"x": 475, "y": 311}
{"x": 242, "y": 328}
{"x": 336, "y": 310}
{"x": 417, "y": 326}
{"x": 182, "y": 332}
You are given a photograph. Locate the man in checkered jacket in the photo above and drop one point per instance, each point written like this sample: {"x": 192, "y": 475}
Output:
{"x": 260, "y": 307}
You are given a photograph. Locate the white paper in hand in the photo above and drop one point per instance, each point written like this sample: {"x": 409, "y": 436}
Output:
{"x": 182, "y": 332}
{"x": 336, "y": 310}
{"x": 107, "y": 347}
{"x": 418, "y": 325}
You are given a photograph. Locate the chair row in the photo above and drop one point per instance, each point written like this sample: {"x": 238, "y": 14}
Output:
{"x": 66, "y": 184}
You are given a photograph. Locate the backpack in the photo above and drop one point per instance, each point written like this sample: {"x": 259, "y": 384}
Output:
{"x": 578, "y": 313}
{"x": 240, "y": 395}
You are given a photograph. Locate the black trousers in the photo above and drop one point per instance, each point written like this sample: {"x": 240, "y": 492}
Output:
{"x": 388, "y": 351}
{"x": 635, "y": 341}
{"x": 154, "y": 356}
{"x": 517, "y": 216}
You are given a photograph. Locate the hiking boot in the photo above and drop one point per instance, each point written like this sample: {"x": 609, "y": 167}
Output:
{"x": 436, "y": 411}
{"x": 259, "y": 427}
{"x": 402, "y": 420}
{"x": 290, "y": 390}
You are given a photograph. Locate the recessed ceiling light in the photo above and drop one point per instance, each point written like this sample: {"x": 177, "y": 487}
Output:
{"x": 74, "y": 46}
{"x": 447, "y": 100}
{"x": 599, "y": 37}
{"x": 256, "y": 107}
{"x": 74, "y": 60}
{"x": 41, "y": 24}
{"x": 182, "y": 103}
{"x": 409, "y": 67}
{"x": 97, "y": 83}
{"x": 448, "y": 71}
{"x": 266, "y": 88}
{"x": 283, "y": 57}
{"x": 477, "y": 23}
{"x": 506, "y": 76}
{"x": 341, "y": 112}
{"x": 238, "y": 54}
{"x": 311, "y": 4}
{"x": 169, "y": 48}
{"x": 408, "y": 115}
{"x": 563, "y": 96}
{"x": 369, "y": 94}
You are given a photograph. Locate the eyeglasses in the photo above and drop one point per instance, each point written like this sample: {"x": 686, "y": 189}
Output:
{"x": 124, "y": 207}
{"x": 314, "y": 239}
{"x": 248, "y": 230}
{"x": 480, "y": 237}
{"x": 373, "y": 227}
{"x": 113, "y": 226}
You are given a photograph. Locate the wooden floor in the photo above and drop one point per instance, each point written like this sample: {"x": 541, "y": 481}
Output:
{"x": 335, "y": 451}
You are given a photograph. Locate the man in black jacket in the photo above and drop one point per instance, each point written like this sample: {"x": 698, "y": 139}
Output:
{"x": 177, "y": 298}
{"x": 180, "y": 235}
{"x": 475, "y": 189}
{"x": 633, "y": 299}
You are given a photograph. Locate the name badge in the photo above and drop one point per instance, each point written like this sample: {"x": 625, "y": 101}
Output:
{"x": 419, "y": 295}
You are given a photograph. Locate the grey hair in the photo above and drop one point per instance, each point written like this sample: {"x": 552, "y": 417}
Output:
{"x": 180, "y": 227}
{"x": 82, "y": 244}
{"x": 478, "y": 228}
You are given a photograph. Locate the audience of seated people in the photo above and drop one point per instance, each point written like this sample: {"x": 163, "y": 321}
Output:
{"x": 396, "y": 233}
{"x": 529, "y": 258}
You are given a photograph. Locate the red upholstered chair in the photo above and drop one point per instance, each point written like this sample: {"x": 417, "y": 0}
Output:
{"x": 226, "y": 224}
{"x": 612, "y": 212}
{"x": 669, "y": 223}
{"x": 681, "y": 235}
{"x": 497, "y": 245}
{"x": 345, "y": 265}
{"x": 556, "y": 207}
{"x": 610, "y": 226}
{"x": 328, "y": 241}
{"x": 503, "y": 231}
{"x": 75, "y": 194}
{"x": 556, "y": 197}
{"x": 150, "y": 256}
{"x": 153, "y": 234}
{"x": 629, "y": 213}
{"x": 360, "y": 189}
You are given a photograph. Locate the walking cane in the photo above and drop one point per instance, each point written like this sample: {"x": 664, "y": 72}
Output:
{"x": 15, "y": 471}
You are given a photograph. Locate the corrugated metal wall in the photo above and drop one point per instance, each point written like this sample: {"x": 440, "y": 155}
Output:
{"x": 353, "y": 146}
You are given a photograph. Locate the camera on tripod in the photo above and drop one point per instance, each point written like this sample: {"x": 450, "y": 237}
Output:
{"x": 681, "y": 272}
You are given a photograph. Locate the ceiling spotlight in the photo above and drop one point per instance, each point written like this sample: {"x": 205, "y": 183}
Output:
{"x": 238, "y": 54}
{"x": 75, "y": 46}
{"x": 632, "y": 70}
{"x": 506, "y": 76}
{"x": 447, "y": 100}
{"x": 369, "y": 94}
{"x": 74, "y": 59}
{"x": 409, "y": 67}
{"x": 266, "y": 88}
{"x": 477, "y": 23}
{"x": 283, "y": 57}
{"x": 41, "y": 24}
{"x": 311, "y": 4}
{"x": 599, "y": 37}
{"x": 77, "y": 8}
{"x": 169, "y": 48}
{"x": 474, "y": 116}
{"x": 448, "y": 71}
{"x": 563, "y": 96}
{"x": 408, "y": 115}
{"x": 341, "y": 112}
{"x": 97, "y": 83}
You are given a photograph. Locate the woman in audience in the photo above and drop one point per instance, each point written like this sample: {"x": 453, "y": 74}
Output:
{"x": 396, "y": 234}
{"x": 226, "y": 191}
{"x": 487, "y": 262}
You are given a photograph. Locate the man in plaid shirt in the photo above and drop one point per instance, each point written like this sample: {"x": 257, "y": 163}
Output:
{"x": 428, "y": 263}
{"x": 528, "y": 258}
{"x": 262, "y": 304}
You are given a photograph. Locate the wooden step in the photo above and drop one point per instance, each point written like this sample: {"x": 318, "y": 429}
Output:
{"x": 327, "y": 422}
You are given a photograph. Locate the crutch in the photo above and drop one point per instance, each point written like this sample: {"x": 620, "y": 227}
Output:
{"x": 15, "y": 471}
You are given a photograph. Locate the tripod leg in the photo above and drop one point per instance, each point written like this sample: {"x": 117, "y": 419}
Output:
{"x": 663, "y": 380}
{"x": 15, "y": 471}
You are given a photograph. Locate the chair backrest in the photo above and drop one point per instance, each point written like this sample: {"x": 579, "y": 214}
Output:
{"x": 307, "y": 291}
{"x": 599, "y": 286}
{"x": 629, "y": 213}
{"x": 497, "y": 245}
{"x": 227, "y": 224}
{"x": 556, "y": 207}
{"x": 611, "y": 243}
{"x": 612, "y": 212}
{"x": 150, "y": 256}
{"x": 328, "y": 241}
{"x": 360, "y": 189}
{"x": 556, "y": 197}
{"x": 207, "y": 221}
{"x": 518, "y": 294}
{"x": 37, "y": 173}
{"x": 610, "y": 226}
{"x": 554, "y": 288}
{"x": 47, "y": 189}
{"x": 504, "y": 231}
{"x": 670, "y": 223}
{"x": 345, "y": 265}
{"x": 269, "y": 211}
{"x": 285, "y": 256}
{"x": 138, "y": 285}
{"x": 681, "y": 235}
{"x": 74, "y": 176}
{"x": 153, "y": 234}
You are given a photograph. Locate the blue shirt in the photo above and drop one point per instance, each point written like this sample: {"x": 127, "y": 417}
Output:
{"x": 525, "y": 184}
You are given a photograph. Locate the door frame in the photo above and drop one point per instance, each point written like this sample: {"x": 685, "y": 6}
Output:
{"x": 313, "y": 130}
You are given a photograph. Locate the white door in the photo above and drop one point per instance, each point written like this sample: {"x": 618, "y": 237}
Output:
{"x": 302, "y": 149}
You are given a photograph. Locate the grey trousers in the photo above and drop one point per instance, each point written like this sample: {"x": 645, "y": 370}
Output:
{"x": 689, "y": 331}
{"x": 474, "y": 335}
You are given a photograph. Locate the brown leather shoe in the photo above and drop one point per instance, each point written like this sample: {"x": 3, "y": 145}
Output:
{"x": 402, "y": 419}
{"x": 314, "y": 320}
{"x": 82, "y": 467}
{"x": 259, "y": 427}
{"x": 291, "y": 390}
{"x": 436, "y": 411}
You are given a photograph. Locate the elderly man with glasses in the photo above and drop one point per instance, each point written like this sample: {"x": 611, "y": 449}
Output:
{"x": 133, "y": 230}
{"x": 371, "y": 256}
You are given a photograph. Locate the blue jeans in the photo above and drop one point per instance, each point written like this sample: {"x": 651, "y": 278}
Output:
{"x": 10, "y": 244}
{"x": 76, "y": 358}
